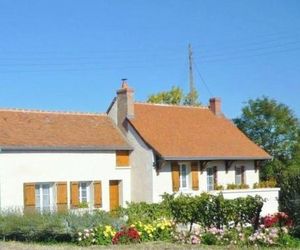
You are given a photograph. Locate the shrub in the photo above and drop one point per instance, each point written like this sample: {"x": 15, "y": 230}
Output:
{"x": 144, "y": 212}
{"x": 237, "y": 186}
{"x": 209, "y": 210}
{"x": 33, "y": 227}
{"x": 289, "y": 199}
{"x": 265, "y": 184}
{"x": 209, "y": 239}
{"x": 158, "y": 230}
{"x": 126, "y": 236}
{"x": 49, "y": 227}
{"x": 219, "y": 187}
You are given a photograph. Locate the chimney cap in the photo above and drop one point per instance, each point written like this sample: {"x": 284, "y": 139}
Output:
{"x": 215, "y": 99}
{"x": 124, "y": 83}
{"x": 124, "y": 87}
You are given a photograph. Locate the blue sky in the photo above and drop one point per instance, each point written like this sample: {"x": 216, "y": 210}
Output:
{"x": 71, "y": 55}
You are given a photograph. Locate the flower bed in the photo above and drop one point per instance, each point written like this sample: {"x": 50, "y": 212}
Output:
{"x": 205, "y": 219}
{"x": 160, "y": 230}
{"x": 271, "y": 232}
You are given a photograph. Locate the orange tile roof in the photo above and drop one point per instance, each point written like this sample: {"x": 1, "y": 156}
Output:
{"x": 192, "y": 132}
{"x": 41, "y": 129}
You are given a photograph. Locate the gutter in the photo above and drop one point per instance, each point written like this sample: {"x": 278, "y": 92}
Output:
{"x": 194, "y": 158}
{"x": 62, "y": 148}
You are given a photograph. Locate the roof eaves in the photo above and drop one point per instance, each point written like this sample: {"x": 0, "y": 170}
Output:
{"x": 111, "y": 105}
{"x": 142, "y": 138}
{"x": 63, "y": 148}
{"x": 193, "y": 158}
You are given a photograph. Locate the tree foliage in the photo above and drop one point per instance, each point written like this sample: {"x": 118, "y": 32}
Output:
{"x": 275, "y": 128}
{"x": 213, "y": 210}
{"x": 175, "y": 96}
{"x": 191, "y": 99}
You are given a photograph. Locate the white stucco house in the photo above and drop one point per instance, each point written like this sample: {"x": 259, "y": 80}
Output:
{"x": 133, "y": 152}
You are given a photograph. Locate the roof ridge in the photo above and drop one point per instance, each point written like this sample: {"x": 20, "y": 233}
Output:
{"x": 51, "y": 112}
{"x": 172, "y": 105}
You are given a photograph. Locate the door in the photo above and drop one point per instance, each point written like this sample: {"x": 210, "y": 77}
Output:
{"x": 114, "y": 194}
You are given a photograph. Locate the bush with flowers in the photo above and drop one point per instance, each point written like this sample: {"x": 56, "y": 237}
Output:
{"x": 271, "y": 232}
{"x": 159, "y": 230}
{"x": 279, "y": 219}
{"x": 126, "y": 235}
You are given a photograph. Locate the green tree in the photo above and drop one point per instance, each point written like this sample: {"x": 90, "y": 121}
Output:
{"x": 173, "y": 96}
{"x": 275, "y": 128}
{"x": 191, "y": 98}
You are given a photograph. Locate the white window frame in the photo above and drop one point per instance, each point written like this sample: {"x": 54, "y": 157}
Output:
{"x": 186, "y": 165}
{"x": 240, "y": 176}
{"x": 88, "y": 191}
{"x": 39, "y": 187}
{"x": 210, "y": 176}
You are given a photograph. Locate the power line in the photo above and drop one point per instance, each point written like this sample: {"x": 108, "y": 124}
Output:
{"x": 202, "y": 79}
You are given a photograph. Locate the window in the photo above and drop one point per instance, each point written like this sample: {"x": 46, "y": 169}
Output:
{"x": 183, "y": 176}
{"x": 239, "y": 175}
{"x": 43, "y": 197}
{"x": 210, "y": 179}
{"x": 84, "y": 192}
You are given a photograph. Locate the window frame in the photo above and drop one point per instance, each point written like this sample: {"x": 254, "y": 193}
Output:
{"x": 212, "y": 176}
{"x": 187, "y": 175}
{"x": 240, "y": 175}
{"x": 40, "y": 205}
{"x": 87, "y": 190}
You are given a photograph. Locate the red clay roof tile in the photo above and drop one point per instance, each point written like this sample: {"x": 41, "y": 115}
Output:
{"x": 20, "y": 128}
{"x": 192, "y": 132}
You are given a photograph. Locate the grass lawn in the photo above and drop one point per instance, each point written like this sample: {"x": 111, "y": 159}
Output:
{"x": 148, "y": 246}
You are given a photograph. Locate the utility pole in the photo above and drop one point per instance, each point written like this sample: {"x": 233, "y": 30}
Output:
{"x": 192, "y": 87}
{"x": 192, "y": 97}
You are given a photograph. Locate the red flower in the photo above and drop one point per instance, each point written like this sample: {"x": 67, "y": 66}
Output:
{"x": 126, "y": 235}
{"x": 280, "y": 219}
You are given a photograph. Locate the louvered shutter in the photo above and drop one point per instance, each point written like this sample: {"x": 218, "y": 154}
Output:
{"x": 74, "y": 194}
{"x": 61, "y": 196}
{"x": 122, "y": 158}
{"x": 195, "y": 175}
{"x": 175, "y": 176}
{"x": 97, "y": 194}
{"x": 29, "y": 197}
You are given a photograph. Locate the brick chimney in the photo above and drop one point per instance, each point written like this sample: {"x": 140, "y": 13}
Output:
{"x": 125, "y": 100}
{"x": 215, "y": 105}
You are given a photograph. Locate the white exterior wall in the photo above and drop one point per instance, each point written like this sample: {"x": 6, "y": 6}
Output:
{"x": 19, "y": 168}
{"x": 163, "y": 182}
{"x": 141, "y": 159}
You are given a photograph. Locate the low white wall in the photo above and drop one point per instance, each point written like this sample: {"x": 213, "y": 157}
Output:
{"x": 19, "y": 168}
